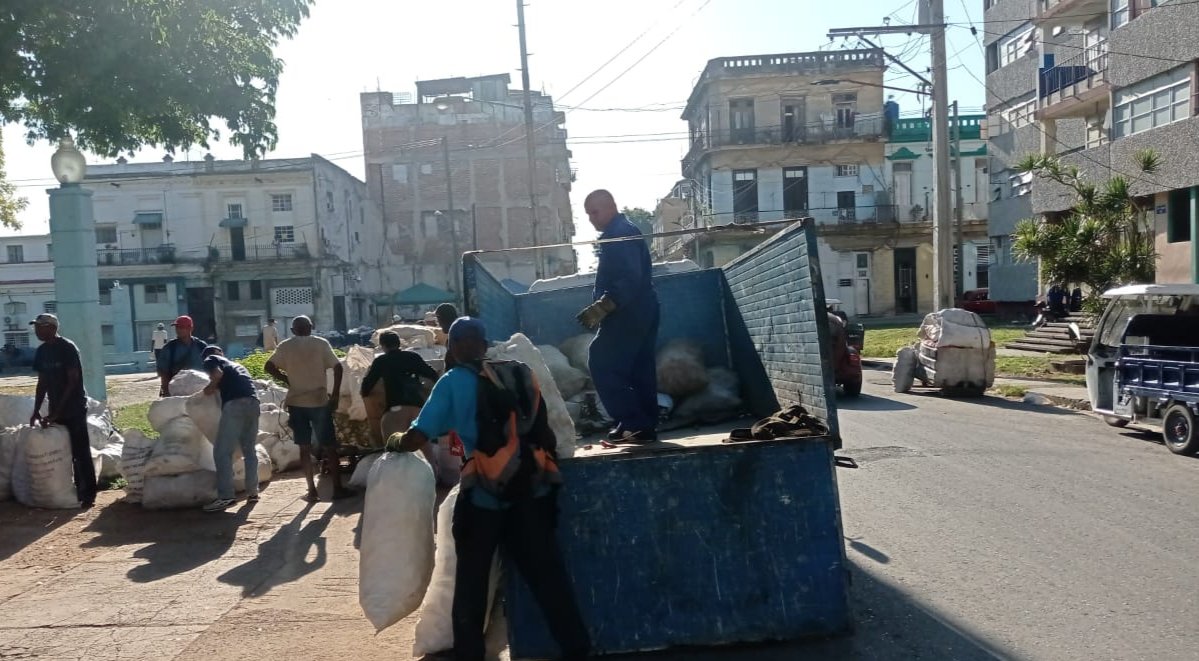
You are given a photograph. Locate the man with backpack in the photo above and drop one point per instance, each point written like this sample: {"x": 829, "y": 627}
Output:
{"x": 494, "y": 411}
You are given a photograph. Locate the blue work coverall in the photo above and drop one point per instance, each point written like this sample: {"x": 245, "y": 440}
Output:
{"x": 621, "y": 356}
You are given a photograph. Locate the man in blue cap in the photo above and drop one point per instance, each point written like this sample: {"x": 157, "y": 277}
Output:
{"x": 508, "y": 495}
{"x": 625, "y": 309}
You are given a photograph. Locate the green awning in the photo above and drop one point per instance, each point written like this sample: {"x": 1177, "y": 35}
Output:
{"x": 147, "y": 218}
{"x": 423, "y": 294}
{"x": 981, "y": 151}
{"x": 233, "y": 222}
{"x": 903, "y": 154}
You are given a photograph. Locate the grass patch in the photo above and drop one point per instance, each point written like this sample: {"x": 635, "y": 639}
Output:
{"x": 1034, "y": 367}
{"x": 134, "y": 416}
{"x": 884, "y": 341}
{"x": 1013, "y": 392}
{"x": 112, "y": 484}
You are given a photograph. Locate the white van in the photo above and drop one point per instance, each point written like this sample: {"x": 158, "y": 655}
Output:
{"x": 1122, "y": 304}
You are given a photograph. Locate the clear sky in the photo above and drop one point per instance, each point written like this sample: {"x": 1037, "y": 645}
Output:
{"x": 350, "y": 46}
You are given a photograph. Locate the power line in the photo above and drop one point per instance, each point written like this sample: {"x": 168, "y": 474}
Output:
{"x": 1093, "y": 47}
{"x": 1167, "y": 5}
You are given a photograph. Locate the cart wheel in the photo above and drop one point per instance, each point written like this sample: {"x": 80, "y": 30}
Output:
{"x": 904, "y": 372}
{"x": 852, "y": 388}
{"x": 1178, "y": 430}
{"x": 1114, "y": 421}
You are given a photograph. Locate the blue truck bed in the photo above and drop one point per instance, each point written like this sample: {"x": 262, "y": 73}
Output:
{"x": 702, "y": 543}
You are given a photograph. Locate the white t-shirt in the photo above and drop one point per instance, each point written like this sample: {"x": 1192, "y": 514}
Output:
{"x": 270, "y": 337}
{"x": 158, "y": 339}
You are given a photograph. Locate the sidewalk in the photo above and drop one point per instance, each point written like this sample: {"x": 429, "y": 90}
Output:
{"x": 1037, "y": 391}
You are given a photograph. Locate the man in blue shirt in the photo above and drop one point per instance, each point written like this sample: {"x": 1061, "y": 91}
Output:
{"x": 182, "y": 353}
{"x": 621, "y": 357}
{"x": 238, "y": 426}
{"x": 484, "y": 519}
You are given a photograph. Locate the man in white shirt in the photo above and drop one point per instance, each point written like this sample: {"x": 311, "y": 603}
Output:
{"x": 270, "y": 335}
{"x": 158, "y": 340}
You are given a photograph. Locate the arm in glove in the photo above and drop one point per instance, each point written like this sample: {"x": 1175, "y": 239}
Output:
{"x": 593, "y": 314}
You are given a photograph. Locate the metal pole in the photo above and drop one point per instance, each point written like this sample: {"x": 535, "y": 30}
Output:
{"x": 449, "y": 201}
{"x": 474, "y": 227}
{"x": 959, "y": 281}
{"x": 942, "y": 257}
{"x": 530, "y": 147}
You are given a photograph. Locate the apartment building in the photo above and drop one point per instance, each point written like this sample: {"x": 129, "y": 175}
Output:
{"x": 476, "y": 127}
{"x": 1102, "y": 80}
{"x": 231, "y": 243}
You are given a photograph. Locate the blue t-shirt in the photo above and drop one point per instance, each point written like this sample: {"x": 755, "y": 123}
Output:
{"x": 175, "y": 356}
{"x": 452, "y": 407}
{"x": 236, "y": 382}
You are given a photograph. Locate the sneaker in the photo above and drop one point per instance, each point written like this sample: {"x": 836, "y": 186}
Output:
{"x": 252, "y": 498}
{"x": 220, "y": 505}
{"x": 615, "y": 433}
{"x": 636, "y": 438}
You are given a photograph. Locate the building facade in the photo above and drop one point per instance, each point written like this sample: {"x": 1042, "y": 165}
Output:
{"x": 231, "y": 243}
{"x": 477, "y": 125}
{"x": 1108, "y": 79}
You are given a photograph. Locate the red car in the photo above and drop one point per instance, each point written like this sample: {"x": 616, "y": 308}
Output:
{"x": 847, "y": 362}
{"x": 978, "y": 301}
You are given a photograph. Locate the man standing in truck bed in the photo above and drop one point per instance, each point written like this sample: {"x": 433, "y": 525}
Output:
{"x": 625, "y": 310}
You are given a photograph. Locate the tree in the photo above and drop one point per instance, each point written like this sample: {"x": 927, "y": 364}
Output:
{"x": 1105, "y": 240}
{"x": 123, "y": 74}
{"x": 644, "y": 220}
{"x": 10, "y": 203}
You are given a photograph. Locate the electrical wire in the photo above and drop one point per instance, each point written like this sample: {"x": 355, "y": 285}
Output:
{"x": 1083, "y": 48}
{"x": 1169, "y": 4}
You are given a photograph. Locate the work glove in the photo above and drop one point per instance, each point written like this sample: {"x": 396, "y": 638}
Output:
{"x": 593, "y": 314}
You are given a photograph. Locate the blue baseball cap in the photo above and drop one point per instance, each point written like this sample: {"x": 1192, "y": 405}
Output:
{"x": 468, "y": 328}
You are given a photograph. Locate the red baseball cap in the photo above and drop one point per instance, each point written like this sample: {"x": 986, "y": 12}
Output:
{"x": 184, "y": 322}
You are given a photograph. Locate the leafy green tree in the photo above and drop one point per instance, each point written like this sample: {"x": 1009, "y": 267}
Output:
{"x": 123, "y": 74}
{"x": 10, "y": 203}
{"x": 644, "y": 220}
{"x": 1105, "y": 240}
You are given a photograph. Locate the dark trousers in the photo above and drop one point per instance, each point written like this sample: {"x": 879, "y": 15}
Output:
{"x": 525, "y": 532}
{"x": 81, "y": 457}
{"x": 622, "y": 361}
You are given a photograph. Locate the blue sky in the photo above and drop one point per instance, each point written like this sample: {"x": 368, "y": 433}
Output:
{"x": 350, "y": 46}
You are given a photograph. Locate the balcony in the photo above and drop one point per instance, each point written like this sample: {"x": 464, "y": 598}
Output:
{"x": 1073, "y": 87}
{"x": 865, "y": 127}
{"x": 164, "y": 254}
{"x": 1068, "y": 12}
{"x": 255, "y": 253}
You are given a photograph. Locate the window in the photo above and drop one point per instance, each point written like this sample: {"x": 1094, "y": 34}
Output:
{"x": 1178, "y": 219}
{"x": 1153, "y": 102}
{"x": 356, "y": 239}
{"x": 329, "y": 201}
{"x": 795, "y": 192}
{"x": 901, "y": 187}
{"x": 105, "y": 295}
{"x": 234, "y": 210}
{"x": 1120, "y": 12}
{"x": 106, "y": 234}
{"x": 285, "y": 234}
{"x": 155, "y": 294}
{"x": 428, "y": 224}
{"x": 1021, "y": 183}
{"x": 863, "y": 260}
{"x": 255, "y": 290}
{"x": 847, "y": 170}
{"x": 741, "y": 120}
{"x": 50, "y": 307}
{"x": 745, "y": 196}
{"x": 1001, "y": 250}
{"x": 50, "y": 252}
{"x": 19, "y": 339}
{"x": 15, "y": 307}
{"x": 281, "y": 202}
{"x": 16, "y": 254}
{"x": 1015, "y": 45}
{"x": 845, "y": 107}
{"x": 1020, "y": 115}
{"x": 793, "y": 120}
{"x": 107, "y": 336}
{"x": 233, "y": 290}
{"x": 846, "y": 206}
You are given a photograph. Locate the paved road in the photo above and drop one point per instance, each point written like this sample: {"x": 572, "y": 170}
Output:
{"x": 986, "y": 528}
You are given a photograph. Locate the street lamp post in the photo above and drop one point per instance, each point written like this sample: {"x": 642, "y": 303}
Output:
{"x": 76, "y": 281}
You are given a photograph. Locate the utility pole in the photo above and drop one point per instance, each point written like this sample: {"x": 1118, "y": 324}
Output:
{"x": 449, "y": 202}
{"x": 959, "y": 281}
{"x": 530, "y": 145}
{"x": 942, "y": 237}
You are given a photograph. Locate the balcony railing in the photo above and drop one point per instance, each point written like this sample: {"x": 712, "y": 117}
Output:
{"x": 164, "y": 254}
{"x": 252, "y": 252}
{"x": 866, "y": 127}
{"x": 1088, "y": 66}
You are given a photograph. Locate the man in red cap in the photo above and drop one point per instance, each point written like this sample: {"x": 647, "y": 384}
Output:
{"x": 182, "y": 353}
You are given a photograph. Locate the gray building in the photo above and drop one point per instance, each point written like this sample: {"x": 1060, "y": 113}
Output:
{"x": 1094, "y": 82}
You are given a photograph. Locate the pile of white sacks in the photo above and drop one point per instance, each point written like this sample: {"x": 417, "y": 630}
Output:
{"x": 35, "y": 463}
{"x": 177, "y": 469}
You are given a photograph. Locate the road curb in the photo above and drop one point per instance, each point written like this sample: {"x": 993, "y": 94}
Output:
{"x": 1048, "y": 399}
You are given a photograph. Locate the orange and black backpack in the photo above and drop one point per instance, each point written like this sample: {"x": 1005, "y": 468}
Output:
{"x": 515, "y": 454}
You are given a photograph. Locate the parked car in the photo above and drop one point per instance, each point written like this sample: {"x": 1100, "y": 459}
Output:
{"x": 979, "y": 301}
{"x": 847, "y": 362}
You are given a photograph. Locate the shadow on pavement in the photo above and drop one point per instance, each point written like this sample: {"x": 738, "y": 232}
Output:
{"x": 868, "y": 551}
{"x": 177, "y": 540}
{"x": 24, "y": 526}
{"x": 866, "y": 402}
{"x": 284, "y": 557}
{"x": 1002, "y": 403}
{"x": 889, "y": 626}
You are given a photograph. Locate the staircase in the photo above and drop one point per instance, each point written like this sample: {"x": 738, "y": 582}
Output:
{"x": 1056, "y": 337}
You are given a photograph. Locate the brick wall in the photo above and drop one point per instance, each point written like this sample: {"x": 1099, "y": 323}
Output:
{"x": 776, "y": 289}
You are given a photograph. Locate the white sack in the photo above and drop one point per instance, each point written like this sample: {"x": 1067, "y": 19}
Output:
{"x": 134, "y": 455}
{"x": 267, "y": 440}
{"x": 412, "y": 336}
{"x": 953, "y": 327}
{"x": 721, "y": 398}
{"x": 285, "y": 455}
{"x": 270, "y": 392}
{"x": 570, "y": 381}
{"x": 110, "y": 457}
{"x": 43, "y": 475}
{"x": 265, "y": 468}
{"x": 97, "y": 408}
{"x": 8, "y": 457}
{"x": 361, "y": 475}
{"x": 165, "y": 410}
{"x": 15, "y": 410}
{"x": 518, "y": 347}
{"x": 180, "y": 449}
{"x": 354, "y": 366}
{"x": 680, "y": 366}
{"x": 183, "y": 490}
{"x": 449, "y": 466}
{"x": 187, "y": 382}
{"x": 273, "y": 420}
{"x": 576, "y": 350}
{"x": 205, "y": 412}
{"x": 397, "y": 538}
